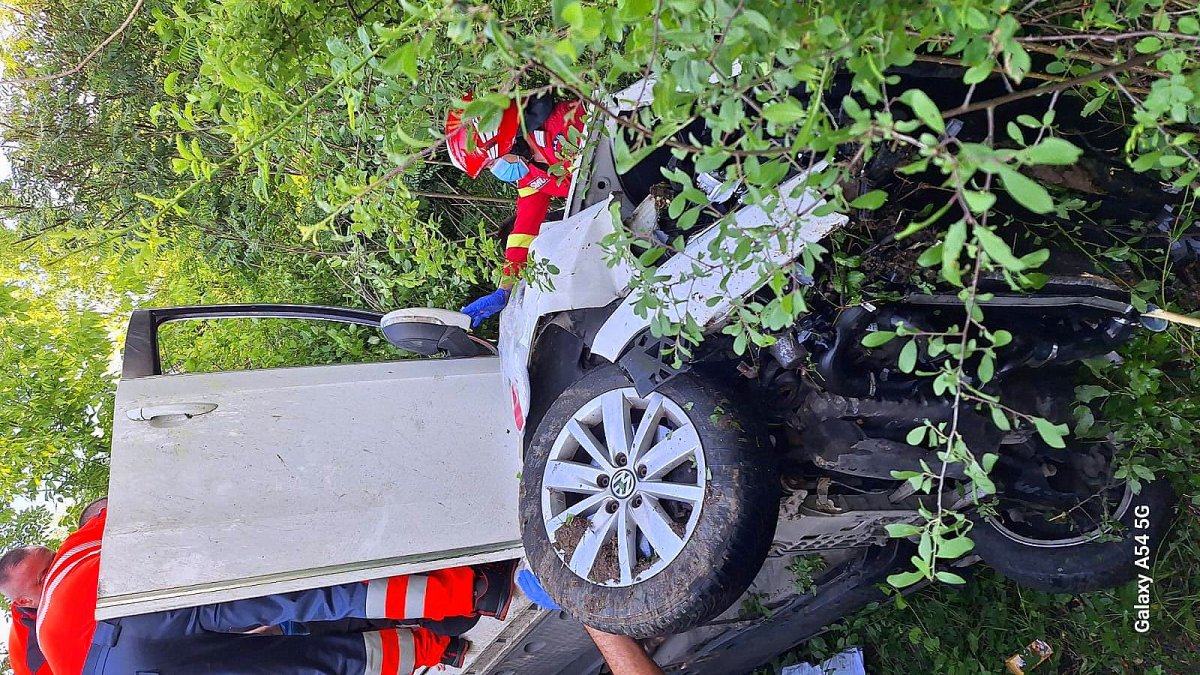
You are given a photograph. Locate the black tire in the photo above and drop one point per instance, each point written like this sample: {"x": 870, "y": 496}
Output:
{"x": 1086, "y": 567}
{"x": 731, "y": 536}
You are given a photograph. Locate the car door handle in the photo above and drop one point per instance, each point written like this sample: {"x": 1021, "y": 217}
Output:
{"x": 185, "y": 410}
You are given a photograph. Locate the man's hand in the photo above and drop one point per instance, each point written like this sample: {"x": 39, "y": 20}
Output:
{"x": 487, "y": 306}
{"x": 623, "y": 654}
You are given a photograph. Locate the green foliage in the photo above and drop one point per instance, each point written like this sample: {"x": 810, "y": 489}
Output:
{"x": 54, "y": 380}
{"x": 963, "y": 630}
{"x": 804, "y": 570}
{"x": 235, "y": 150}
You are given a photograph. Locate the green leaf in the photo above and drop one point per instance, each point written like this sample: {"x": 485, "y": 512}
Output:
{"x": 1000, "y": 419}
{"x": 1018, "y": 62}
{"x": 1094, "y": 104}
{"x": 998, "y": 250}
{"x": 925, "y": 109}
{"x": 955, "y": 548}
{"x": 899, "y": 530}
{"x": 1027, "y": 193}
{"x": 1054, "y": 151}
{"x": 989, "y": 461}
{"x": 877, "y": 338}
{"x": 871, "y": 200}
{"x": 1142, "y": 471}
{"x": 651, "y": 256}
{"x": 403, "y": 61}
{"x": 930, "y": 256}
{"x": 1090, "y": 392}
{"x": 978, "y": 73}
{"x": 1051, "y": 433}
{"x": 905, "y": 579}
{"x": 632, "y": 10}
{"x": 916, "y": 436}
{"x": 950, "y": 578}
{"x": 937, "y": 345}
{"x": 1084, "y": 420}
{"x": 987, "y": 368}
{"x": 979, "y": 202}
{"x": 572, "y": 14}
{"x": 1146, "y": 161}
{"x": 1001, "y": 338}
{"x": 788, "y": 111}
{"x": 1036, "y": 258}
{"x": 956, "y": 238}
{"x": 171, "y": 82}
{"x": 1015, "y": 133}
{"x": 1148, "y": 45}
{"x": 908, "y": 356}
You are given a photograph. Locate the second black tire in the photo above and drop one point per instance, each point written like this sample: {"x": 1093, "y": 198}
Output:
{"x": 1088, "y": 566}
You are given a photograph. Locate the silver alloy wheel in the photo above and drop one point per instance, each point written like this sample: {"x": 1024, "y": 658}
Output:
{"x": 1118, "y": 513}
{"x": 633, "y": 469}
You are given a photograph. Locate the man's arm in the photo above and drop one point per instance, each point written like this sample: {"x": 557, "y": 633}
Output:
{"x": 623, "y": 654}
{"x": 531, "y": 213}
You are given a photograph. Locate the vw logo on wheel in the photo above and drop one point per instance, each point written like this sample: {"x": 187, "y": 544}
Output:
{"x": 623, "y": 483}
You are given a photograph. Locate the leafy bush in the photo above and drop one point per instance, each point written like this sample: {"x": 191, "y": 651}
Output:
{"x": 238, "y": 150}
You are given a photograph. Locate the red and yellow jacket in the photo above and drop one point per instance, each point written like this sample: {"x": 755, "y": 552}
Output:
{"x": 66, "y": 616}
{"x": 24, "y": 654}
{"x": 538, "y": 187}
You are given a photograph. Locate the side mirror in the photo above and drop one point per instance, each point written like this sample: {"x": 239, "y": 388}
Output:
{"x": 430, "y": 331}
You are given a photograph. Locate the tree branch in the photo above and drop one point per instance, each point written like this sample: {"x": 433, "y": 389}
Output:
{"x": 79, "y": 66}
{"x": 1110, "y": 37}
{"x": 465, "y": 198}
{"x": 1051, "y": 88}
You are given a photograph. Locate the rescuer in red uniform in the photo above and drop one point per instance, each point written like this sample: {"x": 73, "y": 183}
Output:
{"x": 27, "y": 564}
{"x": 24, "y": 654}
{"x": 201, "y": 640}
{"x": 535, "y": 149}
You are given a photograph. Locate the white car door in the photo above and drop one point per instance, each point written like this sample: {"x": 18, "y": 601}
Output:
{"x": 239, "y": 484}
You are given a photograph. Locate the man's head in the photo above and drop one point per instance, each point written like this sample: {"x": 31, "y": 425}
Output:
{"x": 22, "y": 573}
{"x": 92, "y": 510}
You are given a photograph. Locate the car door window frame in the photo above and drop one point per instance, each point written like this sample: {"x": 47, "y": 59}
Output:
{"x": 142, "y": 354}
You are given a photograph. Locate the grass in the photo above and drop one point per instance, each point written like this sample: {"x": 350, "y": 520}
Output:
{"x": 973, "y": 629}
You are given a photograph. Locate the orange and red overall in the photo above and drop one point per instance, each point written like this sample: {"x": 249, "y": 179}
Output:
{"x": 558, "y": 149}
{"x": 24, "y": 654}
{"x": 204, "y": 640}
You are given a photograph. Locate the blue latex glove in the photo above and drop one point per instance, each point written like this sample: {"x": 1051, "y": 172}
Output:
{"x": 486, "y": 307}
{"x": 533, "y": 590}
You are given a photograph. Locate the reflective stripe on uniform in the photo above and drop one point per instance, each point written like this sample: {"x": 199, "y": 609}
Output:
{"x": 390, "y": 652}
{"x": 414, "y": 597}
{"x": 397, "y": 597}
{"x": 377, "y": 599}
{"x": 526, "y": 191}
{"x": 519, "y": 240}
{"x": 408, "y": 652}
{"x": 539, "y": 137}
{"x": 59, "y": 571}
{"x": 374, "y": 653}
